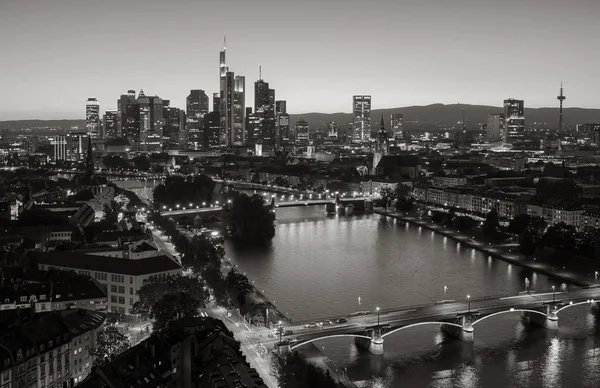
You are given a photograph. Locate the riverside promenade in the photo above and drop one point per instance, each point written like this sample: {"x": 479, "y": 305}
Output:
{"x": 579, "y": 278}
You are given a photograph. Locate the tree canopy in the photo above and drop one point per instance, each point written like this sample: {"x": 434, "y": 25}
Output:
{"x": 293, "y": 371}
{"x": 249, "y": 220}
{"x": 179, "y": 190}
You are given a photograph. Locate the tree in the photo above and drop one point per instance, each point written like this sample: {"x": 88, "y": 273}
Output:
{"x": 464, "y": 223}
{"x": 249, "y": 220}
{"x": 111, "y": 212}
{"x": 141, "y": 163}
{"x": 115, "y": 162}
{"x": 560, "y": 236}
{"x": 84, "y": 195}
{"x": 387, "y": 195}
{"x": 239, "y": 286}
{"x": 174, "y": 306}
{"x": 528, "y": 242}
{"x": 153, "y": 290}
{"x": 293, "y": 371}
{"x": 491, "y": 224}
{"x": 179, "y": 190}
{"x": 110, "y": 342}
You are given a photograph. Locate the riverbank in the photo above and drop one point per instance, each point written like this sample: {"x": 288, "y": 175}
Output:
{"x": 313, "y": 354}
{"x": 499, "y": 251}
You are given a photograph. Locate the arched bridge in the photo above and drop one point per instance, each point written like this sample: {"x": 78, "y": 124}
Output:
{"x": 207, "y": 210}
{"x": 456, "y": 318}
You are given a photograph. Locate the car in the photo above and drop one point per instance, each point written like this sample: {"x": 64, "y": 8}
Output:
{"x": 309, "y": 325}
{"x": 327, "y": 322}
{"x": 342, "y": 320}
{"x": 288, "y": 332}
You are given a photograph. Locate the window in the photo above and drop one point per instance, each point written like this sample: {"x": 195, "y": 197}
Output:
{"x": 113, "y": 288}
{"x": 130, "y": 290}
{"x": 121, "y": 290}
{"x": 131, "y": 280}
{"x": 121, "y": 300}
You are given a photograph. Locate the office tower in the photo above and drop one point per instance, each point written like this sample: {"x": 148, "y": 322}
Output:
{"x": 60, "y": 147}
{"x": 232, "y": 103}
{"x": 212, "y": 130}
{"x": 514, "y": 116}
{"x": 123, "y": 111}
{"x": 196, "y": 107}
{"x": 280, "y": 106}
{"x": 239, "y": 111}
{"x": 92, "y": 117}
{"x": 174, "y": 128}
{"x": 253, "y": 133}
{"x": 397, "y": 125}
{"x": 495, "y": 127}
{"x": 332, "y": 130}
{"x": 110, "y": 124}
{"x": 561, "y": 97}
{"x": 302, "y": 132}
{"x": 264, "y": 108}
{"x": 150, "y": 117}
{"x": 283, "y": 125}
{"x": 216, "y": 102}
{"x": 361, "y": 113}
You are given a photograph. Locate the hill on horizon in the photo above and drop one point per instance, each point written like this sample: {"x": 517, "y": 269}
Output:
{"x": 440, "y": 114}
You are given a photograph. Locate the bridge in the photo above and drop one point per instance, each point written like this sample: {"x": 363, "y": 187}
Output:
{"x": 332, "y": 202}
{"x": 457, "y": 319}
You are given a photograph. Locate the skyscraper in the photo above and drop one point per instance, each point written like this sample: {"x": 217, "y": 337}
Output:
{"x": 174, "y": 128}
{"x": 514, "y": 115}
{"x": 332, "y": 130}
{"x": 264, "y": 108}
{"x": 212, "y": 130}
{"x": 92, "y": 117}
{"x": 302, "y": 132}
{"x": 361, "y": 112}
{"x": 151, "y": 117}
{"x": 216, "y": 102}
{"x": 196, "y": 107}
{"x": 110, "y": 124}
{"x": 282, "y": 123}
{"x": 123, "y": 113}
{"x": 232, "y": 103}
{"x": 397, "y": 125}
{"x": 495, "y": 127}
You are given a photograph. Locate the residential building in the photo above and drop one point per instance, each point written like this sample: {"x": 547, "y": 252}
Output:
{"x": 495, "y": 127}
{"x": 123, "y": 278}
{"x": 194, "y": 352}
{"x": 556, "y": 213}
{"x": 60, "y": 147}
{"x": 51, "y": 350}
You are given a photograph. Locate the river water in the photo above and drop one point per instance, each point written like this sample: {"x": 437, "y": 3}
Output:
{"x": 319, "y": 265}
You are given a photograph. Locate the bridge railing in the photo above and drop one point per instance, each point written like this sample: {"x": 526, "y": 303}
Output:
{"x": 429, "y": 304}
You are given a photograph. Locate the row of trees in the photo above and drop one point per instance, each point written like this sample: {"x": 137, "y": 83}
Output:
{"x": 399, "y": 197}
{"x": 180, "y": 190}
{"x": 248, "y": 219}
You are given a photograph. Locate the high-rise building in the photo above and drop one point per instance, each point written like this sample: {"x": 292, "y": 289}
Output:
{"x": 302, "y": 132}
{"x": 282, "y": 123}
{"x": 212, "y": 130}
{"x": 92, "y": 117}
{"x": 332, "y": 130}
{"x": 264, "y": 108}
{"x": 216, "y": 102}
{"x": 361, "y": 113}
{"x": 174, "y": 129}
{"x": 124, "y": 111}
{"x": 253, "y": 134}
{"x": 110, "y": 124}
{"x": 197, "y": 105}
{"x": 495, "y": 127}
{"x": 32, "y": 144}
{"x": 397, "y": 124}
{"x": 232, "y": 104}
{"x": 60, "y": 147}
{"x": 280, "y": 106}
{"x": 514, "y": 116}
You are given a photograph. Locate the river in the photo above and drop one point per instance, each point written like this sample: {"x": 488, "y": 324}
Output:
{"x": 319, "y": 265}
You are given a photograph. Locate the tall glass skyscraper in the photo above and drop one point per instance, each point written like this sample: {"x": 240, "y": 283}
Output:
{"x": 92, "y": 117}
{"x": 514, "y": 116}
{"x": 232, "y": 104}
{"x": 361, "y": 113}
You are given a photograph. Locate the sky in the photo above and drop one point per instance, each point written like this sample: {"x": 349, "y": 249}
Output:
{"x": 316, "y": 54}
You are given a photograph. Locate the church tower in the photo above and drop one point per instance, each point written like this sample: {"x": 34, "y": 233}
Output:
{"x": 382, "y": 146}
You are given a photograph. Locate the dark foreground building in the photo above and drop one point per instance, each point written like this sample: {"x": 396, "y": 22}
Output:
{"x": 192, "y": 353}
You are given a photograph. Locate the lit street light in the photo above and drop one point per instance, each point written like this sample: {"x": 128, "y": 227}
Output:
{"x": 553, "y": 294}
{"x": 596, "y": 276}
{"x": 469, "y": 302}
{"x": 377, "y": 316}
{"x": 445, "y": 291}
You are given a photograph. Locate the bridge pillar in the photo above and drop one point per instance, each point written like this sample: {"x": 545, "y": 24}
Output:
{"x": 550, "y": 321}
{"x": 330, "y": 207}
{"x": 463, "y": 333}
{"x": 376, "y": 345}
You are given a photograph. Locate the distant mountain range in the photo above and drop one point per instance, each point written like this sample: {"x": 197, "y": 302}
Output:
{"x": 414, "y": 117}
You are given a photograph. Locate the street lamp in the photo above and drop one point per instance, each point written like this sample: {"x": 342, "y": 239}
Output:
{"x": 596, "y": 276}
{"x": 280, "y": 331}
{"x": 445, "y": 291}
{"x": 553, "y": 294}
{"x": 377, "y": 316}
{"x": 469, "y": 303}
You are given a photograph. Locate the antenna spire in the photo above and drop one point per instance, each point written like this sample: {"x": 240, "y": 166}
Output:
{"x": 260, "y": 72}
{"x": 224, "y": 42}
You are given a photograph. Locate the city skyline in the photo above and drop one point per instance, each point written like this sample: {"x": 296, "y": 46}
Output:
{"x": 427, "y": 58}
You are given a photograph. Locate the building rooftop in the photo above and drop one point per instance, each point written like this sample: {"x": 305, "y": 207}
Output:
{"x": 76, "y": 260}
